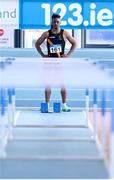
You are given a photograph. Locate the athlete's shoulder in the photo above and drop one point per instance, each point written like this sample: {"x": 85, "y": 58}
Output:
{"x": 45, "y": 34}
{"x": 66, "y": 33}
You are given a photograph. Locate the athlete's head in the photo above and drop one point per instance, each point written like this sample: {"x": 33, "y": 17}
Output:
{"x": 56, "y": 21}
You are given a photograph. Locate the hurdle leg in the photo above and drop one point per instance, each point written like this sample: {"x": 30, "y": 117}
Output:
{"x": 103, "y": 106}
{"x": 3, "y": 140}
{"x": 87, "y": 105}
{"x": 13, "y": 105}
{"x": 94, "y": 111}
{"x": 44, "y": 107}
{"x": 111, "y": 155}
{"x": 10, "y": 113}
{"x": 94, "y": 118}
{"x": 57, "y": 107}
{"x": 112, "y": 137}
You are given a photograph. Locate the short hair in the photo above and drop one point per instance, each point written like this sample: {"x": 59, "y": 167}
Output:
{"x": 55, "y": 16}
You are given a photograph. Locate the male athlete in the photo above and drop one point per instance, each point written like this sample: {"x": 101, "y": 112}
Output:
{"x": 56, "y": 46}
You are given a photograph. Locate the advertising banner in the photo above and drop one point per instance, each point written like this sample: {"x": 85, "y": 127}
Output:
{"x": 74, "y": 14}
{"x": 80, "y": 14}
{"x": 7, "y": 38}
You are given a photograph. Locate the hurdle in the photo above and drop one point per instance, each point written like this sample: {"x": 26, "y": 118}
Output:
{"x": 83, "y": 82}
{"x": 2, "y": 137}
{"x": 11, "y": 110}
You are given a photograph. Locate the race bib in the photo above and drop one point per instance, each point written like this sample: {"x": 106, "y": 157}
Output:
{"x": 55, "y": 48}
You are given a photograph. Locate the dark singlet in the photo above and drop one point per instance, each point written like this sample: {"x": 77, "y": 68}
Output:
{"x": 55, "y": 44}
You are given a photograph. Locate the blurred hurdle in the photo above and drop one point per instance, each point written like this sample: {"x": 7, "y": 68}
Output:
{"x": 83, "y": 82}
{"x": 11, "y": 110}
{"x": 3, "y": 138}
{"x": 112, "y": 137}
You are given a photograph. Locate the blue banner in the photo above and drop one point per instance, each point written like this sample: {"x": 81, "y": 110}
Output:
{"x": 85, "y": 14}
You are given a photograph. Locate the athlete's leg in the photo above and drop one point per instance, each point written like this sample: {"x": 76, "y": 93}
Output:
{"x": 63, "y": 95}
{"x": 65, "y": 108}
{"x": 47, "y": 95}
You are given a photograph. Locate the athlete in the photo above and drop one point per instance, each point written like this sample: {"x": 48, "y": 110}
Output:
{"x": 56, "y": 38}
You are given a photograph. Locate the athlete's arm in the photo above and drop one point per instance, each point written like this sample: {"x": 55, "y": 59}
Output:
{"x": 72, "y": 41}
{"x": 39, "y": 42}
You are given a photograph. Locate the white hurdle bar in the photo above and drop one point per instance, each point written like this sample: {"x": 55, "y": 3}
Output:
{"x": 54, "y": 72}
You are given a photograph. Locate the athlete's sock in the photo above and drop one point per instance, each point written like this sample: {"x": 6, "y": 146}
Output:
{"x": 65, "y": 108}
{"x": 63, "y": 105}
{"x": 48, "y": 104}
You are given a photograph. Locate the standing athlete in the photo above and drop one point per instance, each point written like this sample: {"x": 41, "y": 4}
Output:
{"x": 56, "y": 38}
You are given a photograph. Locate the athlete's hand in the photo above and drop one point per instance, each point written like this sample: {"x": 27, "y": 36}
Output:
{"x": 64, "y": 56}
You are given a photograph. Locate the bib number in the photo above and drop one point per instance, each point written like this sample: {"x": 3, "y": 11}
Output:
{"x": 55, "y": 49}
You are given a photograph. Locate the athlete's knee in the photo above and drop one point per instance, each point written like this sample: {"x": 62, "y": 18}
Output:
{"x": 48, "y": 90}
{"x": 63, "y": 89}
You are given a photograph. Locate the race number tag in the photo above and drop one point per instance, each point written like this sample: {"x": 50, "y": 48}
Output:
{"x": 55, "y": 48}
